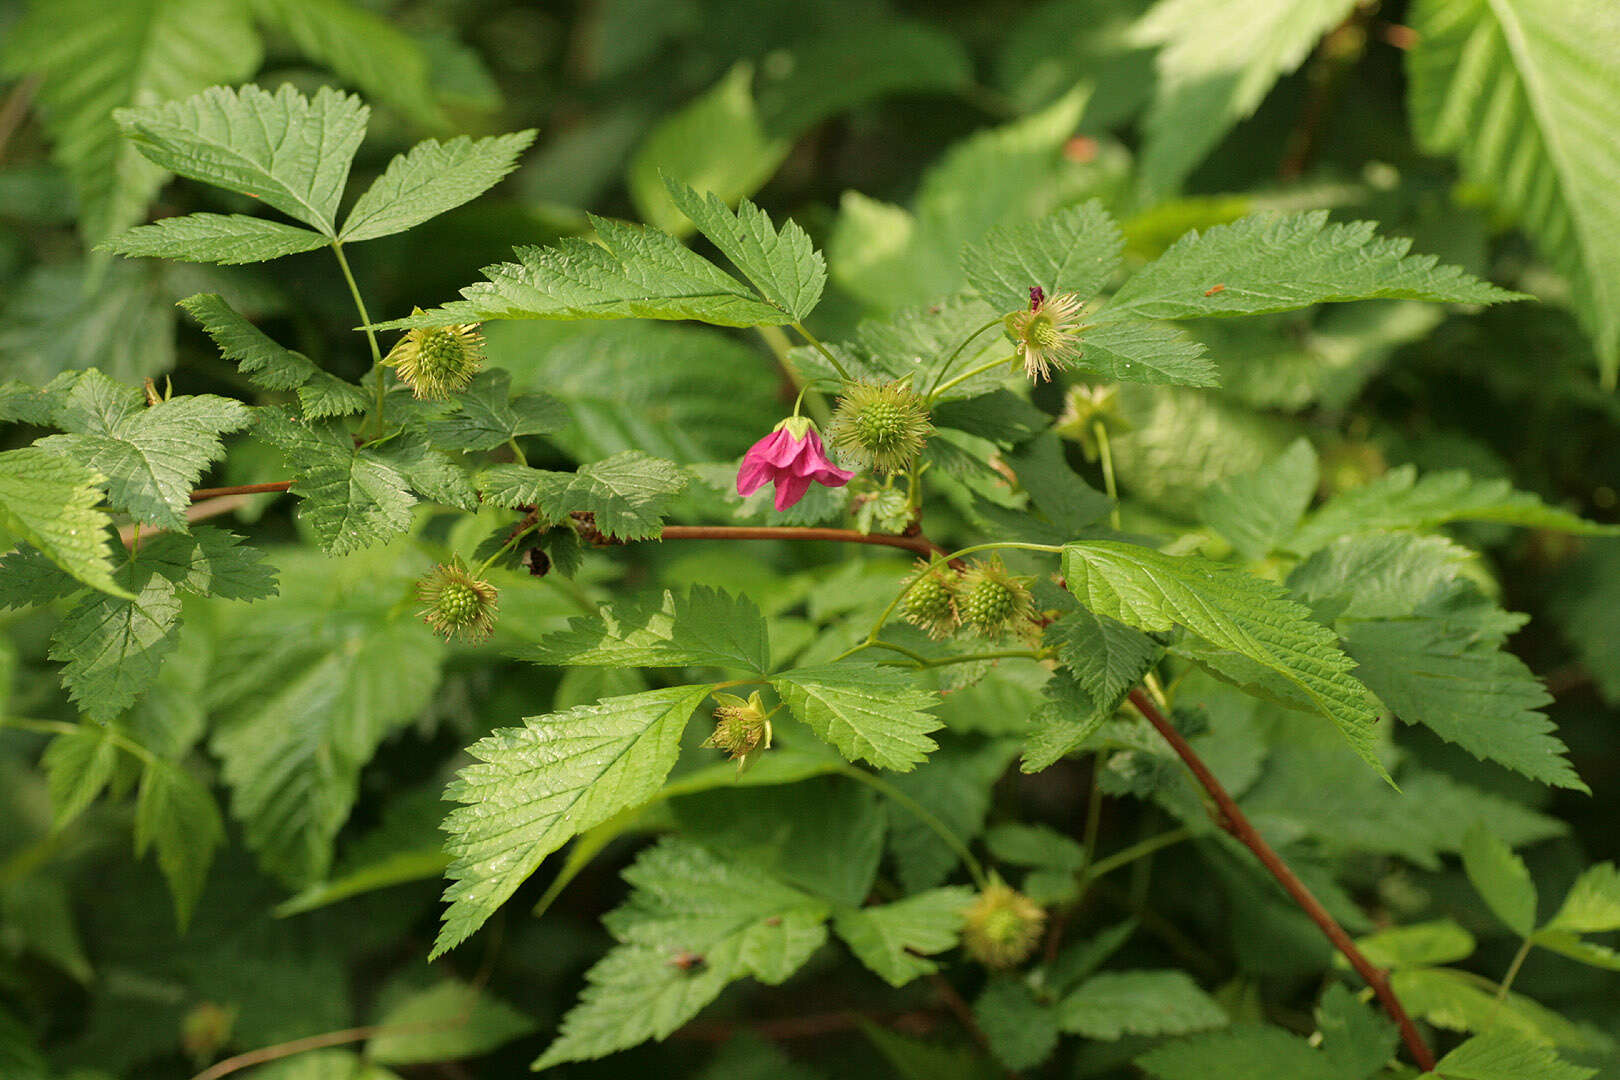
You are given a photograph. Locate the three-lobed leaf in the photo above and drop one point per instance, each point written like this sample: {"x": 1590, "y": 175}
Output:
{"x": 894, "y": 940}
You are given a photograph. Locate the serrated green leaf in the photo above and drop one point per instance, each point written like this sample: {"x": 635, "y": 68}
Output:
{"x": 1141, "y": 351}
{"x": 1593, "y": 902}
{"x": 114, "y": 647}
{"x": 175, "y": 814}
{"x": 151, "y": 455}
{"x": 1035, "y": 845}
{"x": 894, "y": 939}
{"x": 1379, "y": 575}
{"x": 1501, "y": 879}
{"x": 431, "y": 473}
{"x": 431, "y": 178}
{"x": 28, "y": 578}
{"x": 1057, "y": 490}
{"x": 1514, "y": 89}
{"x": 290, "y": 151}
{"x": 487, "y": 415}
{"x": 1233, "y": 610}
{"x": 1241, "y": 1053}
{"x": 1075, "y": 250}
{"x": 210, "y": 562}
{"x": 626, "y": 493}
{"x": 350, "y": 498}
{"x": 704, "y": 627}
{"x": 1215, "y": 66}
{"x": 227, "y": 239}
{"x": 1401, "y": 500}
{"x": 782, "y": 264}
{"x": 633, "y": 273}
{"x": 1067, "y": 717}
{"x": 446, "y": 1022}
{"x": 1357, "y": 1037}
{"x": 77, "y": 768}
{"x": 1021, "y": 1030}
{"x": 1501, "y": 1055}
{"x": 867, "y": 711}
{"x": 1275, "y": 262}
{"x": 96, "y": 57}
{"x": 372, "y": 52}
{"x": 1420, "y": 945}
{"x": 51, "y": 502}
{"x": 1258, "y": 510}
{"x": 1115, "y": 1003}
{"x": 1577, "y": 948}
{"x": 269, "y": 365}
{"x": 534, "y": 787}
{"x": 693, "y": 924}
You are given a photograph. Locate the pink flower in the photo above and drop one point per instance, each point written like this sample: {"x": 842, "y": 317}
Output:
{"x": 793, "y": 457}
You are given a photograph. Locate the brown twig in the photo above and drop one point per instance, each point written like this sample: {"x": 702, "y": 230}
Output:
{"x": 915, "y": 543}
{"x": 288, "y": 1049}
{"x": 1232, "y": 819}
{"x": 241, "y": 489}
{"x": 199, "y": 511}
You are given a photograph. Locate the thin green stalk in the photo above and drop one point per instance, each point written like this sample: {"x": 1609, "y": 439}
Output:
{"x": 946, "y": 661}
{"x": 823, "y": 350}
{"x": 517, "y": 451}
{"x": 365, "y": 321}
{"x": 966, "y": 375}
{"x": 932, "y": 390}
{"x": 1139, "y": 850}
{"x": 483, "y": 567}
{"x": 1100, "y": 429}
{"x": 1093, "y": 810}
{"x": 924, "y": 815}
{"x": 62, "y": 727}
{"x": 1513, "y": 971}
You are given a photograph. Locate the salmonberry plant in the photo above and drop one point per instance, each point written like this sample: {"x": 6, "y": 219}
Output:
{"x": 1092, "y": 650}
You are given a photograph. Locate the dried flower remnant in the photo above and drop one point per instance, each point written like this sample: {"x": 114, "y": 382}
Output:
{"x": 1046, "y": 335}
{"x": 437, "y": 362}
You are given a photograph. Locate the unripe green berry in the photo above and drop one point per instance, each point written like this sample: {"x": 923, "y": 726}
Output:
{"x": 881, "y": 426}
{"x": 991, "y": 601}
{"x": 1002, "y": 926}
{"x": 931, "y": 603}
{"x": 987, "y": 604}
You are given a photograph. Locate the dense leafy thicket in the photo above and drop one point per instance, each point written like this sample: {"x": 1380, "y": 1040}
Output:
{"x": 736, "y": 540}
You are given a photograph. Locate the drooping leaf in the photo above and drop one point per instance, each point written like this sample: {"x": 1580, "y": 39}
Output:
{"x": 227, "y": 239}
{"x": 1516, "y": 89}
{"x": 1501, "y": 879}
{"x": 1400, "y": 499}
{"x": 1282, "y": 262}
{"x": 428, "y": 180}
{"x": 782, "y": 264}
{"x": 97, "y": 57}
{"x": 151, "y": 455}
{"x": 534, "y": 787}
{"x": 693, "y": 924}
{"x": 176, "y": 815}
{"x": 270, "y": 366}
{"x": 704, "y": 627}
{"x": 445, "y": 1022}
{"x": 633, "y": 273}
{"x": 1231, "y": 609}
{"x": 77, "y": 768}
{"x": 1502, "y": 1055}
{"x": 1115, "y": 1003}
{"x": 894, "y": 939}
{"x": 1072, "y": 251}
{"x": 50, "y": 501}
{"x": 1215, "y": 65}
{"x": 288, "y": 150}
{"x": 869, "y": 712}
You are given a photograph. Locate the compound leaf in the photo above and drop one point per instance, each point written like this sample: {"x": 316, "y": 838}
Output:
{"x": 428, "y": 180}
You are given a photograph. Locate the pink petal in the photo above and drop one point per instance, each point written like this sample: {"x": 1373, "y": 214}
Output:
{"x": 779, "y": 448}
{"x": 790, "y": 489}
{"x": 753, "y": 475}
{"x": 832, "y": 476}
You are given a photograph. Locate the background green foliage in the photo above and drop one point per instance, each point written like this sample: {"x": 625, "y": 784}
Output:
{"x": 1353, "y": 268}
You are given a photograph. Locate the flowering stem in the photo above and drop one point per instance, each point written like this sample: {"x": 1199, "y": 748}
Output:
{"x": 365, "y": 321}
{"x": 1099, "y": 429}
{"x": 1230, "y": 818}
{"x": 823, "y": 350}
{"x": 934, "y": 394}
{"x": 946, "y": 366}
{"x": 924, "y": 815}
